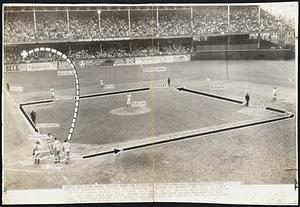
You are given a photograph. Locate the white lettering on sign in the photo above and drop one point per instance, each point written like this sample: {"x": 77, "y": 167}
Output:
{"x": 47, "y": 125}
{"x": 16, "y": 88}
{"x": 67, "y": 72}
{"x": 64, "y": 98}
{"x": 154, "y": 69}
{"x": 139, "y": 103}
{"x": 161, "y": 85}
{"x": 37, "y": 136}
{"x": 109, "y": 86}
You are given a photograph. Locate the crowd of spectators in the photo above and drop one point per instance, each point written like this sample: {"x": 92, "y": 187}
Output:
{"x": 269, "y": 22}
{"x": 84, "y": 25}
{"x": 171, "y": 47}
{"x": 143, "y": 25}
{"x": 92, "y": 51}
{"x": 244, "y": 19}
{"x": 19, "y": 27}
{"x": 54, "y": 25}
{"x": 174, "y": 23}
{"x": 210, "y": 20}
{"x": 114, "y": 26}
{"x": 14, "y": 57}
{"x": 51, "y": 26}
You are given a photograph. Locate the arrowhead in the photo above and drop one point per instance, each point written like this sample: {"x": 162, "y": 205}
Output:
{"x": 116, "y": 151}
{"x": 292, "y": 115}
{"x": 180, "y": 88}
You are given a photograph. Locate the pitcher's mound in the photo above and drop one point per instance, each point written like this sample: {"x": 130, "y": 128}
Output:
{"x": 124, "y": 111}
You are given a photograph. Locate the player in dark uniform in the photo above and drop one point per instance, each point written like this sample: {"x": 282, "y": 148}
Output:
{"x": 247, "y": 98}
{"x": 33, "y": 116}
{"x": 169, "y": 81}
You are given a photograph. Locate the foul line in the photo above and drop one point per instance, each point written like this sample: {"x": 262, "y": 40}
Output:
{"x": 113, "y": 93}
{"x": 115, "y": 151}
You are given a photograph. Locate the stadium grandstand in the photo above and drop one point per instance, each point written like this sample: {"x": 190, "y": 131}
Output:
{"x": 86, "y": 32}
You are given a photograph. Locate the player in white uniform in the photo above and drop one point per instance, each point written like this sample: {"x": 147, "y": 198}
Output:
{"x": 101, "y": 84}
{"x": 37, "y": 152}
{"x": 50, "y": 141}
{"x": 56, "y": 148}
{"x": 52, "y": 93}
{"x": 274, "y": 93}
{"x": 128, "y": 104}
{"x": 207, "y": 82}
{"x": 66, "y": 150}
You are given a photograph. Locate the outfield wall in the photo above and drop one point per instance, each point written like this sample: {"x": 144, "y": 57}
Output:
{"x": 80, "y": 64}
{"x": 260, "y": 54}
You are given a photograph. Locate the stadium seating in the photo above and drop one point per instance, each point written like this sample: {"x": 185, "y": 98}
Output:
{"x": 269, "y": 22}
{"x": 174, "y": 23}
{"x": 244, "y": 19}
{"x": 19, "y": 26}
{"x": 212, "y": 20}
{"x": 84, "y": 25}
{"x": 51, "y": 26}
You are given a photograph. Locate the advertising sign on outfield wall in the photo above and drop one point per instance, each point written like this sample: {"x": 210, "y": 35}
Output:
{"x": 163, "y": 59}
{"x": 30, "y": 67}
{"x": 80, "y": 64}
{"x": 41, "y": 66}
{"x": 124, "y": 61}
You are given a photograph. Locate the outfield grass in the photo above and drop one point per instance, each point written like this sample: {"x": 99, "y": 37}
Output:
{"x": 264, "y": 72}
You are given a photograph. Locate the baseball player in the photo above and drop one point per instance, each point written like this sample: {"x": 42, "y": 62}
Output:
{"x": 128, "y": 104}
{"x": 56, "y": 149}
{"x": 37, "y": 152}
{"x": 66, "y": 150}
{"x": 52, "y": 93}
{"x": 274, "y": 93}
{"x": 50, "y": 141}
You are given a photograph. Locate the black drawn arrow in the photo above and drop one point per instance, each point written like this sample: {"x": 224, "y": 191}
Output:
{"x": 209, "y": 95}
{"x": 114, "y": 92}
{"x": 115, "y": 151}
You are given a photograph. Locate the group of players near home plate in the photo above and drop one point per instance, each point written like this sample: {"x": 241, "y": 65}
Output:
{"x": 54, "y": 146}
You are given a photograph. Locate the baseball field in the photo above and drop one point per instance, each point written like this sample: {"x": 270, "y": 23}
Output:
{"x": 263, "y": 153}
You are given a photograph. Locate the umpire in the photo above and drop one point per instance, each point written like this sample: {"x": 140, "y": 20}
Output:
{"x": 247, "y": 98}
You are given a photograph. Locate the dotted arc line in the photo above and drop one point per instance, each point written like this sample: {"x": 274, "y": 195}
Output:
{"x": 72, "y": 65}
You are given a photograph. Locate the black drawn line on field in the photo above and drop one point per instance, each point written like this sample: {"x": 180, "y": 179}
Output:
{"x": 209, "y": 95}
{"x": 114, "y": 93}
{"x": 225, "y": 98}
{"x": 116, "y": 151}
{"x": 275, "y": 110}
{"x": 29, "y": 104}
{"x": 37, "y": 102}
{"x": 28, "y": 119}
